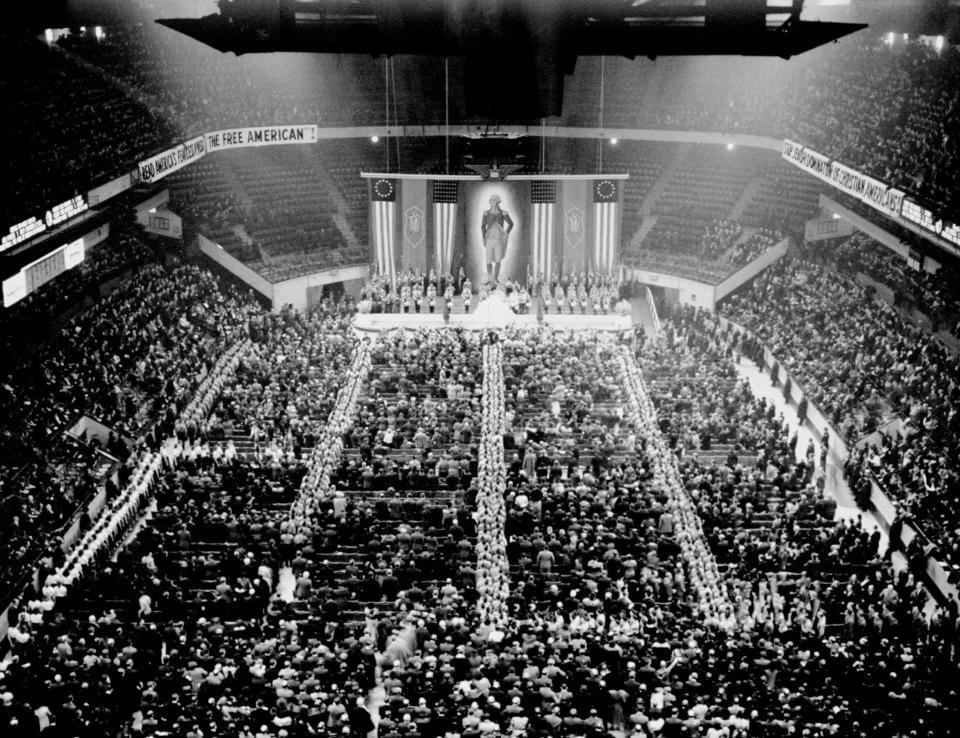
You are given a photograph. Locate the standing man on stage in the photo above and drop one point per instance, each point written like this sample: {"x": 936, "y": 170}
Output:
{"x": 495, "y": 229}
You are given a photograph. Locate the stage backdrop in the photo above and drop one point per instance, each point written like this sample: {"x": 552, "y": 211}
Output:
{"x": 561, "y": 225}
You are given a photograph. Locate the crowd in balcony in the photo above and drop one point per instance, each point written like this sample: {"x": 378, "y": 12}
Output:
{"x": 149, "y": 79}
{"x": 721, "y": 250}
{"x": 126, "y": 360}
{"x": 932, "y": 293}
{"x": 70, "y": 130}
{"x": 536, "y": 534}
{"x": 863, "y": 362}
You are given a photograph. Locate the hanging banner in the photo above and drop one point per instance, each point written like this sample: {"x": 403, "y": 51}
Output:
{"x": 575, "y": 224}
{"x": 73, "y": 254}
{"x": 413, "y": 214}
{"x": 873, "y": 192}
{"x": 14, "y": 289}
{"x": 869, "y": 190}
{"x": 110, "y": 189}
{"x": 238, "y": 138}
{"x": 159, "y": 166}
{"x": 807, "y": 159}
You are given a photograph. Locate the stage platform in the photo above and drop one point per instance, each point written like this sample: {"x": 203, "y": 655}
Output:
{"x": 491, "y": 313}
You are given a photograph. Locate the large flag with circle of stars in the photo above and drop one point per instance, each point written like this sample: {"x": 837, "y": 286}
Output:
{"x": 606, "y": 195}
{"x": 383, "y": 225}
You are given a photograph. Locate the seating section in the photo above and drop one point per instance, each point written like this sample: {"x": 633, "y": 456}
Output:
{"x": 933, "y": 294}
{"x": 125, "y": 360}
{"x": 800, "y": 575}
{"x": 785, "y": 199}
{"x": 703, "y": 189}
{"x": 693, "y": 235}
{"x": 644, "y": 162}
{"x": 878, "y": 104}
{"x": 271, "y": 208}
{"x": 723, "y": 248}
{"x": 204, "y": 196}
{"x": 372, "y": 608}
{"x": 862, "y": 362}
{"x": 71, "y": 130}
{"x": 438, "y": 533}
{"x": 282, "y": 394}
{"x": 26, "y": 323}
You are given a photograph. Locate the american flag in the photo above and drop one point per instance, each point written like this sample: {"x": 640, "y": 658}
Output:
{"x": 383, "y": 201}
{"x": 445, "y": 195}
{"x": 605, "y": 195}
{"x": 543, "y": 197}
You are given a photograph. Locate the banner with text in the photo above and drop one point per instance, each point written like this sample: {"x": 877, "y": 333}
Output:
{"x": 867, "y": 189}
{"x": 160, "y": 165}
{"x": 873, "y": 192}
{"x": 238, "y": 138}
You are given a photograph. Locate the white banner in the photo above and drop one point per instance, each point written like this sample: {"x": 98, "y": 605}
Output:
{"x": 872, "y": 191}
{"x": 159, "y": 166}
{"x": 237, "y": 138}
{"x": 110, "y": 189}
{"x": 14, "y": 289}
{"x": 73, "y": 254}
{"x": 808, "y": 159}
{"x": 869, "y": 190}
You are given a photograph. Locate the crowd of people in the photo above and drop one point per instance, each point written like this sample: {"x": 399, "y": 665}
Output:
{"x": 74, "y": 130}
{"x": 440, "y": 532}
{"x": 178, "y": 88}
{"x": 722, "y": 249}
{"x": 425, "y": 292}
{"x": 795, "y": 570}
{"x": 418, "y": 291}
{"x": 862, "y": 362}
{"x": 877, "y": 102}
{"x": 934, "y": 294}
{"x": 126, "y": 361}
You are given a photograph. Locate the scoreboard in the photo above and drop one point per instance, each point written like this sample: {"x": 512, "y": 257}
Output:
{"x": 39, "y": 273}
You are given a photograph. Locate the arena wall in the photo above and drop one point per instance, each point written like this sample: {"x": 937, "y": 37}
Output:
{"x": 217, "y": 253}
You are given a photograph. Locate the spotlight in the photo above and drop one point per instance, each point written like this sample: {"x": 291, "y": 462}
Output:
{"x": 730, "y": 146}
{"x": 614, "y": 141}
{"x": 374, "y": 139}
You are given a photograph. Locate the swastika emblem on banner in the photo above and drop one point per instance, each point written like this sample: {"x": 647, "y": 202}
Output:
{"x": 414, "y": 226}
{"x": 573, "y": 226}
